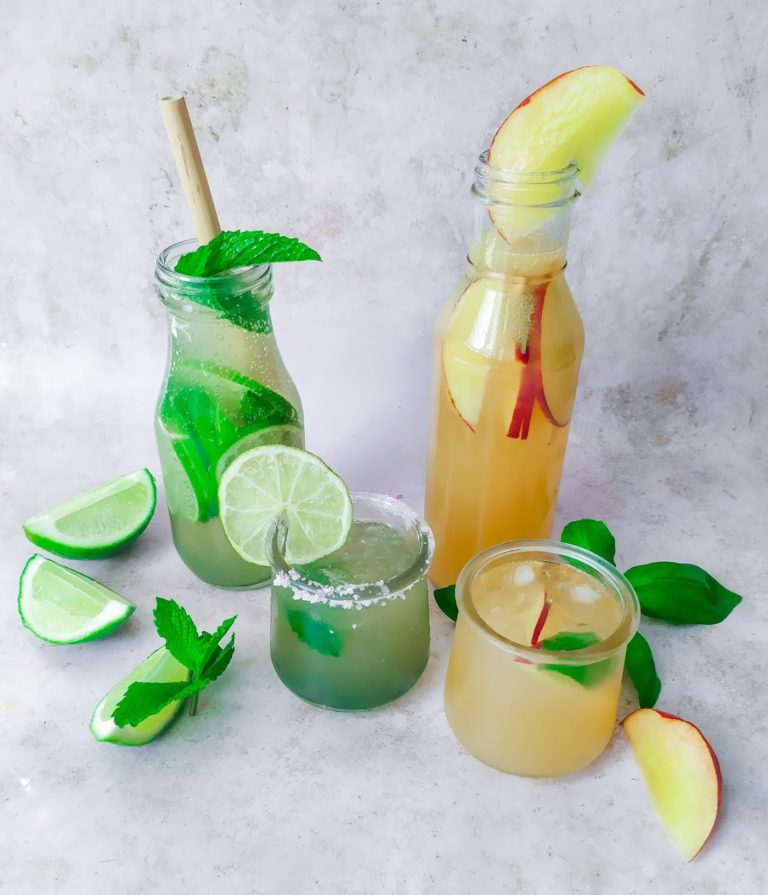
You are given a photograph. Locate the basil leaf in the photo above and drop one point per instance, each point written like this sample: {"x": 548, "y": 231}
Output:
{"x": 588, "y": 674}
{"x": 681, "y": 593}
{"x": 314, "y": 634}
{"x": 445, "y": 597}
{"x": 593, "y": 535}
{"x": 639, "y": 665}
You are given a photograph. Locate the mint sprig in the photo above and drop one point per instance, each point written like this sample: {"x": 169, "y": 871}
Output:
{"x": 201, "y": 653}
{"x": 231, "y": 249}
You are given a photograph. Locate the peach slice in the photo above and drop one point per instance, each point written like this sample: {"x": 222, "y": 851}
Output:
{"x": 560, "y": 354}
{"x": 682, "y": 774}
{"x": 572, "y": 119}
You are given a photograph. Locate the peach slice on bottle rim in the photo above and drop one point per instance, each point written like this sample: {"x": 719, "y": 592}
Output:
{"x": 682, "y": 774}
{"x": 574, "y": 118}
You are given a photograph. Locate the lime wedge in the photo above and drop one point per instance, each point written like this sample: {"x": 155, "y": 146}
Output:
{"x": 273, "y": 480}
{"x": 97, "y": 522}
{"x": 61, "y": 605}
{"x": 161, "y": 668}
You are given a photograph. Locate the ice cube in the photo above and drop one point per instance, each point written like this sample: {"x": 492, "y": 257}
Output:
{"x": 583, "y": 593}
{"x": 523, "y": 575}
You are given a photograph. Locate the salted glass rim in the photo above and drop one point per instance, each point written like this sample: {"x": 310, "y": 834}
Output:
{"x": 360, "y": 594}
{"x": 606, "y": 573}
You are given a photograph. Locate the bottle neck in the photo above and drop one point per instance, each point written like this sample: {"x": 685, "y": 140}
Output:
{"x": 521, "y": 220}
{"x": 237, "y": 298}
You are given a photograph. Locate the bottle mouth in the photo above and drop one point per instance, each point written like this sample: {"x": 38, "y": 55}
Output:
{"x": 528, "y": 189}
{"x": 230, "y": 283}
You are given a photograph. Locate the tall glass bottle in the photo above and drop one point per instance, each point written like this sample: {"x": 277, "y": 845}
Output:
{"x": 508, "y": 346}
{"x": 226, "y": 390}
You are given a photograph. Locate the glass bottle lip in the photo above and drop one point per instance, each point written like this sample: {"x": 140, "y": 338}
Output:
{"x": 504, "y": 186}
{"x": 350, "y": 596}
{"x": 232, "y": 283}
{"x": 604, "y": 571}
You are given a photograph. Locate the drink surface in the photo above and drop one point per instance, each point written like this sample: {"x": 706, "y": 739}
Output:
{"x": 341, "y": 649}
{"x": 373, "y": 552}
{"x": 521, "y": 711}
{"x": 509, "y": 598}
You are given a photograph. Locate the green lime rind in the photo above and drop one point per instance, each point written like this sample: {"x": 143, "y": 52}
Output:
{"x": 98, "y": 522}
{"x": 60, "y": 605}
{"x": 159, "y": 667}
{"x": 277, "y": 481}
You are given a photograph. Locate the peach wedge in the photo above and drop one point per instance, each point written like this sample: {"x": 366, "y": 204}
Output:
{"x": 682, "y": 774}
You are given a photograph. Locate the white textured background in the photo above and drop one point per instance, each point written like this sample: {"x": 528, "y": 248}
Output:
{"x": 354, "y": 125}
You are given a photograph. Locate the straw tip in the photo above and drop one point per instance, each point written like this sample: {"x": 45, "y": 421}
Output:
{"x": 175, "y": 98}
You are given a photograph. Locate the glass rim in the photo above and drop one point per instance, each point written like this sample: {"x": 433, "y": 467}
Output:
{"x": 239, "y": 279}
{"x": 607, "y": 573}
{"x": 517, "y": 189}
{"x": 359, "y": 594}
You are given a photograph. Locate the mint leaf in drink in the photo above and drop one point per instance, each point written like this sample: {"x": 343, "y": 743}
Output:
{"x": 445, "y": 597}
{"x": 641, "y": 669}
{"x": 681, "y": 593}
{"x": 200, "y": 653}
{"x": 591, "y": 534}
{"x": 231, "y": 249}
{"x": 588, "y": 674}
{"x": 314, "y": 634}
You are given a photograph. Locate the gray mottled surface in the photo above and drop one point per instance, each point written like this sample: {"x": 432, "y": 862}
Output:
{"x": 354, "y": 125}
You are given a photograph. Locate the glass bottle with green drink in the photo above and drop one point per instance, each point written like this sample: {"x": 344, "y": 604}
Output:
{"x": 226, "y": 389}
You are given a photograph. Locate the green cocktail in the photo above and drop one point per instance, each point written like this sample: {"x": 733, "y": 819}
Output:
{"x": 226, "y": 390}
{"x": 351, "y": 631}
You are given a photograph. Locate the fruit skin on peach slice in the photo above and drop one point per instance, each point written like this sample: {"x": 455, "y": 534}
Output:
{"x": 562, "y": 345}
{"x": 574, "y": 118}
{"x": 682, "y": 774}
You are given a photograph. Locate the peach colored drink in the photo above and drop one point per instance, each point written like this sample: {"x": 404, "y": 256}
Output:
{"x": 535, "y": 670}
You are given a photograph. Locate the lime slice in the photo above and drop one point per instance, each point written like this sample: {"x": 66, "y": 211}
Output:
{"x": 273, "y": 480}
{"x": 161, "y": 668}
{"x": 290, "y": 435}
{"x": 97, "y": 522}
{"x": 64, "y": 606}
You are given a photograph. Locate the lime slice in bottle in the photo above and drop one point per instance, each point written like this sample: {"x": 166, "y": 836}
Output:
{"x": 277, "y": 480}
{"x": 293, "y": 436}
{"x": 61, "y": 605}
{"x": 161, "y": 668}
{"x": 97, "y": 522}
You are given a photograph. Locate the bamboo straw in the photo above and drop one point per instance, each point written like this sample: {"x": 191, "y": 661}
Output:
{"x": 190, "y": 167}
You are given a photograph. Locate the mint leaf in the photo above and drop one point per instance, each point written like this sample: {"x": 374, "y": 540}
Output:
{"x": 591, "y": 534}
{"x": 231, "y": 249}
{"x": 219, "y": 660}
{"x": 142, "y": 700}
{"x": 209, "y": 642}
{"x": 641, "y": 669}
{"x": 261, "y": 406}
{"x": 588, "y": 674}
{"x": 174, "y": 624}
{"x": 445, "y": 597}
{"x": 681, "y": 593}
{"x": 314, "y": 634}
